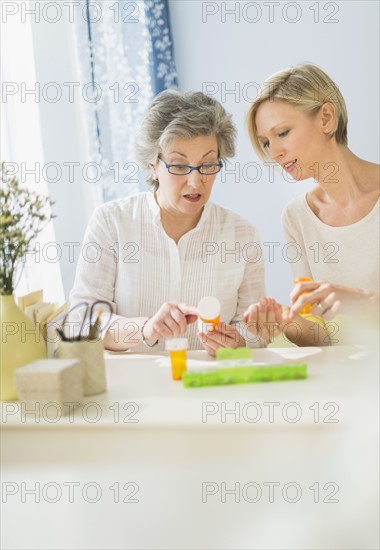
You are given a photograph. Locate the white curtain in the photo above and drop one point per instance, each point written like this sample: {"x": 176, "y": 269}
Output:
{"x": 22, "y": 150}
{"x": 125, "y": 56}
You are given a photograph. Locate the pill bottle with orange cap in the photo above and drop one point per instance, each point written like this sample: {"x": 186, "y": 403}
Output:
{"x": 307, "y": 308}
{"x": 208, "y": 314}
{"x": 178, "y": 356}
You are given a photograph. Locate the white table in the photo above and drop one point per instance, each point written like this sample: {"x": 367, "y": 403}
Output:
{"x": 216, "y": 467}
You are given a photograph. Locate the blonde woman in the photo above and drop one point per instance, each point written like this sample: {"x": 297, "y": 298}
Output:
{"x": 300, "y": 122}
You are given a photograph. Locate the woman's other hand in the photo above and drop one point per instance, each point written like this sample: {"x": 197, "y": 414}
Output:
{"x": 224, "y": 336}
{"x": 328, "y": 299}
{"x": 265, "y": 319}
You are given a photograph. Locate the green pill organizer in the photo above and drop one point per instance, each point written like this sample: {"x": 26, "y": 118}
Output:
{"x": 228, "y": 357}
{"x": 235, "y": 366}
{"x": 244, "y": 375}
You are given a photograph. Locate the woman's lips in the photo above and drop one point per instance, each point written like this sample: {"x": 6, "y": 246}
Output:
{"x": 289, "y": 166}
{"x": 192, "y": 197}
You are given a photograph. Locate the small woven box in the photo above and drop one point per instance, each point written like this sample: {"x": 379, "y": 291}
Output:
{"x": 90, "y": 355}
{"x": 50, "y": 381}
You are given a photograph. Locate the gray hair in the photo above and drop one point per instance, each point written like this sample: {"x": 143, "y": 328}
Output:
{"x": 174, "y": 114}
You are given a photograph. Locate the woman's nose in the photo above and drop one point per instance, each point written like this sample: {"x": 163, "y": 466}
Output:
{"x": 276, "y": 151}
{"x": 194, "y": 179}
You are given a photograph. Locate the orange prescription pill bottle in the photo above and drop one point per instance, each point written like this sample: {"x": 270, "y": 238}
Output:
{"x": 307, "y": 308}
{"x": 208, "y": 314}
{"x": 177, "y": 348}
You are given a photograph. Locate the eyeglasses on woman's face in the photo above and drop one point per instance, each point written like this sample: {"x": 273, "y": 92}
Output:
{"x": 184, "y": 169}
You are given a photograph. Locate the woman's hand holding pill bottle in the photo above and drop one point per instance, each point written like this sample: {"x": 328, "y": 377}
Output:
{"x": 212, "y": 333}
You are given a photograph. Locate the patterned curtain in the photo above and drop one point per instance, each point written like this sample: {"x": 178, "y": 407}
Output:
{"x": 125, "y": 58}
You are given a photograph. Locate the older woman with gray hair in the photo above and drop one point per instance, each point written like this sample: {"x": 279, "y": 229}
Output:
{"x": 165, "y": 249}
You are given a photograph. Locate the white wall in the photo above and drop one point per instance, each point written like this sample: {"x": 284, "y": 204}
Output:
{"x": 217, "y": 51}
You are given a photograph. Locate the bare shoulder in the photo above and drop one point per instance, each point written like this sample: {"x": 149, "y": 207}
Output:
{"x": 374, "y": 175}
{"x": 369, "y": 177}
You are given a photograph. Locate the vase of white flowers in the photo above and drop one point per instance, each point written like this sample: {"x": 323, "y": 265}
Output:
{"x": 23, "y": 214}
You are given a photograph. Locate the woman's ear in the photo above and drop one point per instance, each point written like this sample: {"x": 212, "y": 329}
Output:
{"x": 328, "y": 117}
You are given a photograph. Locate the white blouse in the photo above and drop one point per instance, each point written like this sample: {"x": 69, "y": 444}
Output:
{"x": 346, "y": 255}
{"x": 128, "y": 260}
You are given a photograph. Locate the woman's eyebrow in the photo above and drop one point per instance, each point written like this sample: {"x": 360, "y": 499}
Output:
{"x": 177, "y": 153}
{"x": 208, "y": 152}
{"x": 274, "y": 127}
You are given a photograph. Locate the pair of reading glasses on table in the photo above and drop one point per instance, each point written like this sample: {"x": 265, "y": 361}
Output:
{"x": 184, "y": 169}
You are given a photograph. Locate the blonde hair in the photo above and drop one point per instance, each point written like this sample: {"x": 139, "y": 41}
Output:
{"x": 306, "y": 87}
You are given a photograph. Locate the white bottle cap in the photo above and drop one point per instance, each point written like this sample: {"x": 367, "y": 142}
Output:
{"x": 176, "y": 344}
{"x": 209, "y": 308}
